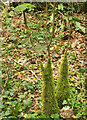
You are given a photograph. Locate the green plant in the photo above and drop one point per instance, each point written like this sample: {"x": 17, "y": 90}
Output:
{"x": 49, "y": 102}
{"x": 77, "y": 101}
{"x": 6, "y": 14}
{"x": 22, "y": 8}
{"x": 63, "y": 90}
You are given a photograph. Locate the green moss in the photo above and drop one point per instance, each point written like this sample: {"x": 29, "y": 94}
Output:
{"x": 63, "y": 89}
{"x": 49, "y": 102}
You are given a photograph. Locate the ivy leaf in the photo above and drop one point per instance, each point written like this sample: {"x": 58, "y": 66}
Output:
{"x": 33, "y": 25}
{"x": 30, "y": 87}
{"x": 60, "y": 6}
{"x": 64, "y": 102}
{"x": 23, "y": 7}
{"x": 21, "y": 96}
{"x": 55, "y": 115}
{"x": 29, "y": 30}
{"x": 80, "y": 27}
{"x": 27, "y": 102}
{"x": 51, "y": 18}
{"x": 29, "y": 5}
{"x": 20, "y": 8}
{"x": 8, "y": 112}
{"x": 82, "y": 70}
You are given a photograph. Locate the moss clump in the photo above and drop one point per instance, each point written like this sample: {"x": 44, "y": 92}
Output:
{"x": 63, "y": 89}
{"x": 49, "y": 102}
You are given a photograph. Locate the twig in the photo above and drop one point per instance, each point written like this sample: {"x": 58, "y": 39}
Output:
{"x": 29, "y": 78}
{"x": 33, "y": 73}
{"x": 61, "y": 13}
{"x": 25, "y": 67}
{"x": 17, "y": 62}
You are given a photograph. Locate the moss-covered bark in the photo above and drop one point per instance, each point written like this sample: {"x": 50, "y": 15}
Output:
{"x": 63, "y": 89}
{"x": 49, "y": 102}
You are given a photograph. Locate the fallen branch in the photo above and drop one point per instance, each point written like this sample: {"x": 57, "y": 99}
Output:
{"x": 33, "y": 73}
{"x": 25, "y": 67}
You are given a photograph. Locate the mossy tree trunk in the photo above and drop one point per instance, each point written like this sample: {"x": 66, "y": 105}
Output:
{"x": 49, "y": 102}
{"x": 63, "y": 89}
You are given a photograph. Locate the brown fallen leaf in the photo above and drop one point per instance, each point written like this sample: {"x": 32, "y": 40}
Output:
{"x": 66, "y": 112}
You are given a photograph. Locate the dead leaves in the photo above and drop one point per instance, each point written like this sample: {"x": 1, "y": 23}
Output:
{"x": 66, "y": 112}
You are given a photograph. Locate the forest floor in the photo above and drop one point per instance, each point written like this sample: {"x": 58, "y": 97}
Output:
{"x": 21, "y": 74}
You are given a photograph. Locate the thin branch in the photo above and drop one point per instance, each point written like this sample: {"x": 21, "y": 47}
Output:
{"x": 46, "y": 25}
{"x": 48, "y": 47}
{"x": 52, "y": 25}
{"x": 70, "y": 26}
{"x": 25, "y": 21}
{"x": 33, "y": 47}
